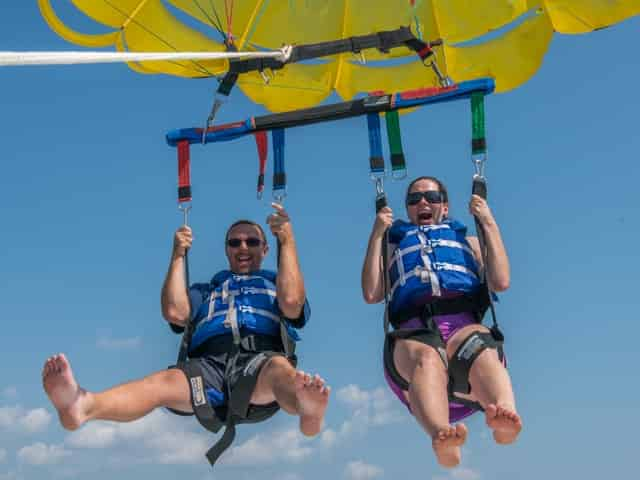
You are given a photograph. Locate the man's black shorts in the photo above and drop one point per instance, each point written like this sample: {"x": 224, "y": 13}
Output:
{"x": 229, "y": 379}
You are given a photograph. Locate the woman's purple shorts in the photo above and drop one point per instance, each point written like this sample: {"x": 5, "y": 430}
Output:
{"x": 448, "y": 325}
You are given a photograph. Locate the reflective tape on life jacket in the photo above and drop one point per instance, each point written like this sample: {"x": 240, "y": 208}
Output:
{"x": 239, "y": 305}
{"x": 429, "y": 260}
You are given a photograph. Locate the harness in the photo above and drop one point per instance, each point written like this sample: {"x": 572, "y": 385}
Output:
{"x": 235, "y": 317}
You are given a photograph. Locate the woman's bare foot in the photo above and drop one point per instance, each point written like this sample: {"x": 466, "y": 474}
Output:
{"x": 505, "y": 423}
{"x": 447, "y": 443}
{"x": 313, "y": 396}
{"x": 63, "y": 391}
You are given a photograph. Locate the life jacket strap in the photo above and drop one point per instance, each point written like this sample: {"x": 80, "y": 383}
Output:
{"x": 225, "y": 344}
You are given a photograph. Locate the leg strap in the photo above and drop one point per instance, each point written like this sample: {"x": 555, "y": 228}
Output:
{"x": 462, "y": 360}
{"x": 205, "y": 414}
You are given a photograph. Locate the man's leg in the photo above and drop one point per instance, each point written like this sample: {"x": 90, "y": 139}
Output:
{"x": 491, "y": 386}
{"x": 297, "y": 393}
{"x": 425, "y": 372}
{"x": 124, "y": 403}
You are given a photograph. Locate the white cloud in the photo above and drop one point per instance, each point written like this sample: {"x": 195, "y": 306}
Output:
{"x": 285, "y": 445}
{"x": 160, "y": 437}
{"x": 42, "y": 454}
{"x": 35, "y": 420}
{"x": 289, "y": 476}
{"x": 359, "y": 470}
{"x": 3, "y": 455}
{"x": 464, "y": 473}
{"x": 10, "y": 392}
{"x": 18, "y": 418}
{"x": 107, "y": 343}
{"x": 93, "y": 435}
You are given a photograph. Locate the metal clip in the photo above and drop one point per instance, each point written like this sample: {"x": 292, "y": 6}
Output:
{"x": 478, "y": 164}
{"x": 266, "y": 78}
{"x": 444, "y": 80}
{"x": 217, "y": 103}
{"x": 279, "y": 196}
{"x": 185, "y": 208}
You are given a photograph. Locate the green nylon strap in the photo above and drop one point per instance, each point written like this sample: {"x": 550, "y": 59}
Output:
{"x": 395, "y": 140}
{"x": 477, "y": 121}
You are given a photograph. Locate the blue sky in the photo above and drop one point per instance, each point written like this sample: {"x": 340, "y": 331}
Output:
{"x": 88, "y": 188}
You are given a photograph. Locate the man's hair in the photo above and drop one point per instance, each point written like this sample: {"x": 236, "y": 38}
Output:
{"x": 245, "y": 222}
{"x": 441, "y": 187}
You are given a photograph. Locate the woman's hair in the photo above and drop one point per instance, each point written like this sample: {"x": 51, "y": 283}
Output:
{"x": 245, "y": 222}
{"x": 441, "y": 187}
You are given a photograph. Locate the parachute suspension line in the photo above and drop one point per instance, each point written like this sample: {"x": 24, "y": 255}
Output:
{"x": 228, "y": 9}
{"x": 198, "y": 66}
{"x": 416, "y": 19}
{"x": 184, "y": 204}
{"x": 256, "y": 15}
{"x": 215, "y": 23}
{"x": 133, "y": 14}
{"x": 261, "y": 143}
{"x": 398, "y": 164}
{"x": 279, "y": 190}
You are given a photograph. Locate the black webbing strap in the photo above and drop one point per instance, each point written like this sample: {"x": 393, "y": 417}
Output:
{"x": 382, "y": 41}
{"x": 323, "y": 113}
{"x": 480, "y": 188}
{"x": 476, "y": 302}
{"x": 205, "y": 414}
{"x": 229, "y": 435}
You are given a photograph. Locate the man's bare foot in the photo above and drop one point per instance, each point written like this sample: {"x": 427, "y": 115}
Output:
{"x": 63, "y": 391}
{"x": 505, "y": 423}
{"x": 447, "y": 443}
{"x": 313, "y": 396}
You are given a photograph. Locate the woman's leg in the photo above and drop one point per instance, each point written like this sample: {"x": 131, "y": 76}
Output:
{"x": 425, "y": 372}
{"x": 491, "y": 387}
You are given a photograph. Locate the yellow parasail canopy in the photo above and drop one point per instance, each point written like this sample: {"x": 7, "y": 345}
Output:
{"x": 503, "y": 39}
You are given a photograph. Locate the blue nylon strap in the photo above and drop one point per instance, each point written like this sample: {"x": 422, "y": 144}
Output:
{"x": 279, "y": 175}
{"x": 376, "y": 160}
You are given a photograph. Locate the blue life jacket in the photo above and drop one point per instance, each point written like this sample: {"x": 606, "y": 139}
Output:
{"x": 429, "y": 261}
{"x": 251, "y": 298}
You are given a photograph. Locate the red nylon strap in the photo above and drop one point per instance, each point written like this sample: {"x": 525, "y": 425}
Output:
{"x": 426, "y": 92}
{"x": 425, "y": 52}
{"x": 261, "y": 143}
{"x": 184, "y": 172}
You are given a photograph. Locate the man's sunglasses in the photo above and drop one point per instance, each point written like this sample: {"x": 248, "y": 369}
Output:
{"x": 431, "y": 196}
{"x": 251, "y": 242}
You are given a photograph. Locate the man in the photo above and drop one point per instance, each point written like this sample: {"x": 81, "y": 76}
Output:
{"x": 254, "y": 381}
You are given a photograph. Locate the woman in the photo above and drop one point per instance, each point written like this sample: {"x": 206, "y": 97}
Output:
{"x": 433, "y": 263}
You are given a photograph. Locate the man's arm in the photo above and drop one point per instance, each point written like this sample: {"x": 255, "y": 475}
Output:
{"x": 289, "y": 282}
{"x": 497, "y": 269}
{"x": 174, "y": 298}
{"x": 371, "y": 280}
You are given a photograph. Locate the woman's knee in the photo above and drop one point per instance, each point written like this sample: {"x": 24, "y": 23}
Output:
{"x": 417, "y": 357}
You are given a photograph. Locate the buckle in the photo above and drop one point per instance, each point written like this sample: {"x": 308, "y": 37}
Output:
{"x": 427, "y": 311}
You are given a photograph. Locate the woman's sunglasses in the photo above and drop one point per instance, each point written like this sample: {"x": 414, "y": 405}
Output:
{"x": 251, "y": 242}
{"x": 431, "y": 196}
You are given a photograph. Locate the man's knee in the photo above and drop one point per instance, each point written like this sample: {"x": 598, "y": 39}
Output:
{"x": 168, "y": 385}
{"x": 277, "y": 367}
